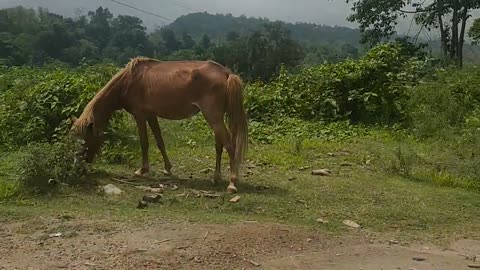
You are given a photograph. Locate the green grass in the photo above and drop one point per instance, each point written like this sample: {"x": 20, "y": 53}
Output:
{"x": 368, "y": 185}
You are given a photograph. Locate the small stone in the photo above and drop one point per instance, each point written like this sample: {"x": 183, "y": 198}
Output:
{"x": 235, "y": 199}
{"x": 351, "y": 224}
{"x": 322, "y": 172}
{"x": 52, "y": 235}
{"x": 293, "y": 178}
{"x": 418, "y": 259}
{"x": 331, "y": 154}
{"x": 475, "y": 266}
{"x": 197, "y": 259}
{"x": 346, "y": 164}
{"x": 152, "y": 198}
{"x": 111, "y": 189}
{"x": 321, "y": 220}
{"x": 174, "y": 187}
{"x": 142, "y": 205}
{"x": 393, "y": 242}
{"x": 309, "y": 240}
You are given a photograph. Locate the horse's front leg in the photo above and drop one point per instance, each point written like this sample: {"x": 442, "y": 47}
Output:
{"x": 142, "y": 133}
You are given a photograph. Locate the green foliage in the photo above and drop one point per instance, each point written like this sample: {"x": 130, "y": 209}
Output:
{"x": 474, "y": 31}
{"x": 378, "y": 20}
{"x": 444, "y": 103}
{"x": 372, "y": 89}
{"x": 36, "y": 104}
{"x": 45, "y": 167}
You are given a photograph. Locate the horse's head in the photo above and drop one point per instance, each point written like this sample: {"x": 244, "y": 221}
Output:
{"x": 89, "y": 138}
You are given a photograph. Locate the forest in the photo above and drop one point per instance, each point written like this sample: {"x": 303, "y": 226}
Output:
{"x": 353, "y": 134}
{"x": 101, "y": 37}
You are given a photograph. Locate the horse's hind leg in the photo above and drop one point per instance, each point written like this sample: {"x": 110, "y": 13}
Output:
{"x": 222, "y": 138}
{"x": 142, "y": 133}
{"x": 217, "y": 177}
{"x": 157, "y": 133}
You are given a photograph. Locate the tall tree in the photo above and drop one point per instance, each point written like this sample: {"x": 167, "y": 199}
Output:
{"x": 378, "y": 18}
{"x": 474, "y": 31}
{"x": 99, "y": 28}
{"x": 187, "y": 41}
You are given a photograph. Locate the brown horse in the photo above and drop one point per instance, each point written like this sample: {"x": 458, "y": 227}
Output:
{"x": 148, "y": 88}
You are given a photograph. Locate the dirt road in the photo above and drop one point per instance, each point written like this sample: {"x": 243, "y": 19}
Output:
{"x": 72, "y": 243}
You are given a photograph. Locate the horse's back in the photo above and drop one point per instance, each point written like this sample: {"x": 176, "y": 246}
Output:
{"x": 172, "y": 89}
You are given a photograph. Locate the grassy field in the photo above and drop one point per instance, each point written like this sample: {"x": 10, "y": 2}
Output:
{"x": 386, "y": 182}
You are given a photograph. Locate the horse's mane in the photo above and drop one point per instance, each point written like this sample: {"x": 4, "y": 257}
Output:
{"x": 124, "y": 76}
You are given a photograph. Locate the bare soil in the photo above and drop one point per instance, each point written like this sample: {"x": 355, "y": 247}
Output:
{"x": 76, "y": 243}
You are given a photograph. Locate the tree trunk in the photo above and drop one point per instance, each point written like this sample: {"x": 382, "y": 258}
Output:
{"x": 454, "y": 41}
{"x": 464, "y": 18}
{"x": 443, "y": 32}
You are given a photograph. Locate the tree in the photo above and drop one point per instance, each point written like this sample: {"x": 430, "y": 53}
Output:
{"x": 129, "y": 33}
{"x": 206, "y": 42}
{"x": 188, "y": 42}
{"x": 474, "y": 31}
{"x": 99, "y": 28}
{"x": 232, "y": 36}
{"x": 170, "y": 40}
{"x": 378, "y": 18}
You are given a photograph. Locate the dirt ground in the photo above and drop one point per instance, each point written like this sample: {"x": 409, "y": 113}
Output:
{"x": 71, "y": 243}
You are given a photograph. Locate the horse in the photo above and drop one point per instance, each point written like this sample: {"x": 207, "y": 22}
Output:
{"x": 149, "y": 89}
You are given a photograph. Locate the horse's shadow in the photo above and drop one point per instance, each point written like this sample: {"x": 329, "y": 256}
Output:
{"x": 245, "y": 185}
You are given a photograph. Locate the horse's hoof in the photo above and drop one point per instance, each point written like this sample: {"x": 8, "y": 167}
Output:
{"x": 231, "y": 189}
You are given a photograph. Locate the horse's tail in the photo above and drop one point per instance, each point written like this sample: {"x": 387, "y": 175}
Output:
{"x": 236, "y": 117}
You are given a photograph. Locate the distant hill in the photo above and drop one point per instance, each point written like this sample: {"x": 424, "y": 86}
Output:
{"x": 217, "y": 26}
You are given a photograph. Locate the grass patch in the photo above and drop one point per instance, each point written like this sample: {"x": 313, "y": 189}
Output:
{"x": 372, "y": 183}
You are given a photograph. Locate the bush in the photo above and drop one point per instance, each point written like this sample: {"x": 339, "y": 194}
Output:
{"x": 36, "y": 103}
{"x": 441, "y": 105}
{"x": 370, "y": 90}
{"x": 44, "y": 167}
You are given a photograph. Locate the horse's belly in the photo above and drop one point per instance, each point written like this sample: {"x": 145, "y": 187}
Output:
{"x": 176, "y": 112}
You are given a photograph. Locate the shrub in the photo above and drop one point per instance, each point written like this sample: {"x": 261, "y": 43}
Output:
{"x": 43, "y": 167}
{"x": 370, "y": 90}
{"x": 444, "y": 103}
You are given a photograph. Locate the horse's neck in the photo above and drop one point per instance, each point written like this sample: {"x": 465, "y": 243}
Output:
{"x": 103, "y": 108}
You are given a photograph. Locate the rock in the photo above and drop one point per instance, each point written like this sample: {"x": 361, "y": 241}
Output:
{"x": 322, "y": 172}
{"x": 111, "y": 189}
{"x": 142, "y": 205}
{"x": 235, "y": 199}
{"x": 58, "y": 234}
{"x": 393, "y": 242}
{"x": 331, "y": 154}
{"x": 321, "y": 220}
{"x": 351, "y": 224}
{"x": 152, "y": 198}
{"x": 418, "y": 259}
